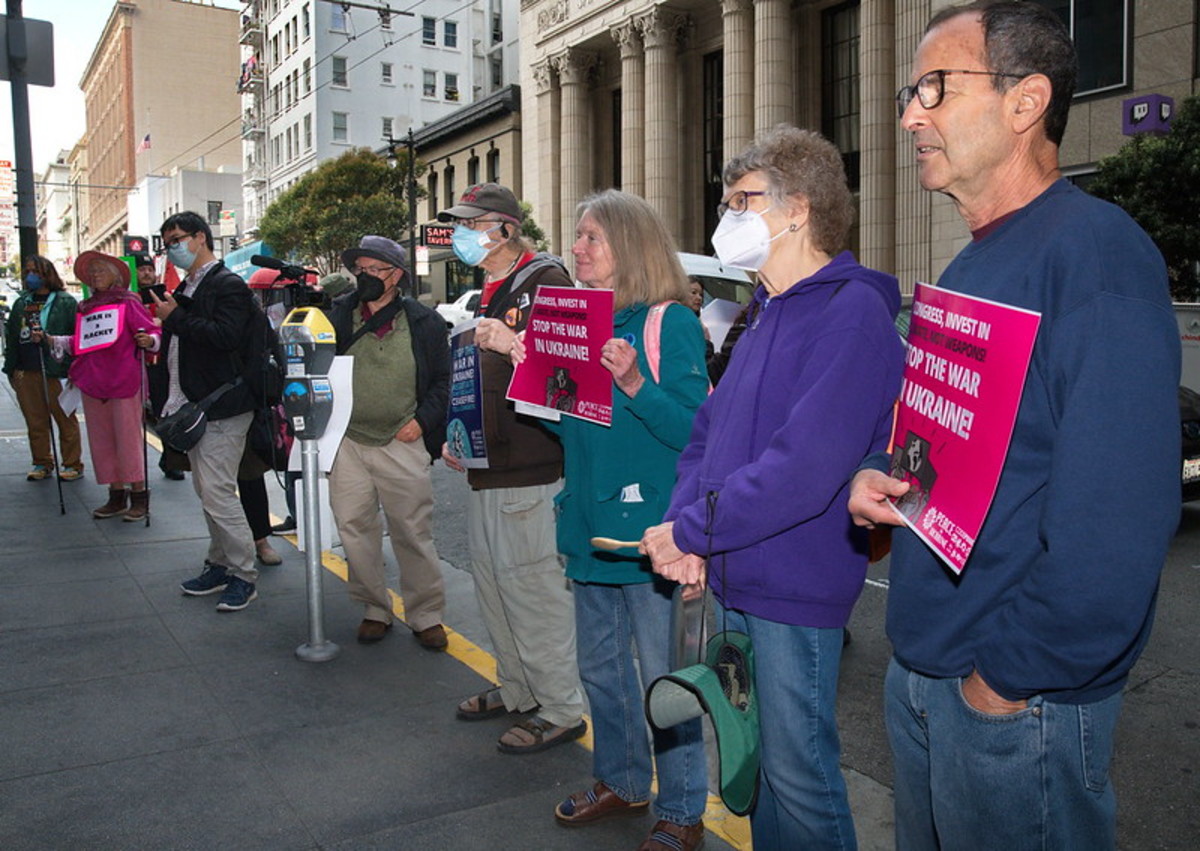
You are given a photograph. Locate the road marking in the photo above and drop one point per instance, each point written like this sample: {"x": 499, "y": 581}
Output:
{"x": 879, "y": 583}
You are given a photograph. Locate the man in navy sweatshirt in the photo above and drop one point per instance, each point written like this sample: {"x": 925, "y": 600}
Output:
{"x": 1004, "y": 690}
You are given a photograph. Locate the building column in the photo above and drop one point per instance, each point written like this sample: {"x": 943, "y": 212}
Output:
{"x": 548, "y": 119}
{"x": 574, "y": 69}
{"x": 633, "y": 107}
{"x": 660, "y": 29}
{"x": 877, "y": 168}
{"x": 738, "y": 19}
{"x": 774, "y": 80}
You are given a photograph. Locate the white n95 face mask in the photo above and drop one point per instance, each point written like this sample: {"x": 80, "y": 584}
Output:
{"x": 743, "y": 240}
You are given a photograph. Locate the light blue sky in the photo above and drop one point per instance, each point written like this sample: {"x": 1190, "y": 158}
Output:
{"x": 57, "y": 114}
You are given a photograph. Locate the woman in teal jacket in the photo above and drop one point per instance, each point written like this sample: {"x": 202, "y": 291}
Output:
{"x": 35, "y": 376}
{"x": 618, "y": 481}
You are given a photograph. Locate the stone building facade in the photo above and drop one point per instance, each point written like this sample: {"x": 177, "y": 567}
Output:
{"x": 652, "y": 98}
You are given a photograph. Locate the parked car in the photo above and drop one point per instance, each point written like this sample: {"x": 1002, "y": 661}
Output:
{"x": 461, "y": 309}
{"x": 1189, "y": 426}
{"x": 726, "y": 290}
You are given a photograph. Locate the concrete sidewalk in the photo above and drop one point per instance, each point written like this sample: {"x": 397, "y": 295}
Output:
{"x": 135, "y": 717}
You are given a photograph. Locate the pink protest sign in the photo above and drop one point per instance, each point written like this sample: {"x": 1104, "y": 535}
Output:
{"x": 562, "y": 373}
{"x": 965, "y": 371}
{"x": 99, "y": 328}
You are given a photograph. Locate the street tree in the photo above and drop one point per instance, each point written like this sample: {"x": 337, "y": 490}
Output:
{"x": 333, "y": 206}
{"x": 1156, "y": 179}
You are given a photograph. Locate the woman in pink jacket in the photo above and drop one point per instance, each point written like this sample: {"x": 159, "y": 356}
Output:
{"x": 110, "y": 326}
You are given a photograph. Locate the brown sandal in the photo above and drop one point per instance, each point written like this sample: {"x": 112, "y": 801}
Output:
{"x": 668, "y": 836}
{"x": 595, "y": 804}
{"x": 537, "y": 734}
{"x": 478, "y": 707}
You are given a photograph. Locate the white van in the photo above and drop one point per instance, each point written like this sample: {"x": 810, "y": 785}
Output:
{"x": 726, "y": 291}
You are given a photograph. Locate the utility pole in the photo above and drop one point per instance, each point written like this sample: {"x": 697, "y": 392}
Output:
{"x": 18, "y": 55}
{"x": 411, "y": 196}
{"x": 412, "y": 210}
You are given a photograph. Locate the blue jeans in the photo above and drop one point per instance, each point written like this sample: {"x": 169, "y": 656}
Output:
{"x": 1037, "y": 779}
{"x": 802, "y": 799}
{"x": 609, "y": 620}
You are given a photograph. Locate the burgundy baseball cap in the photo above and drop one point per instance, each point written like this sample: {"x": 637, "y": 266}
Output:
{"x": 485, "y": 198}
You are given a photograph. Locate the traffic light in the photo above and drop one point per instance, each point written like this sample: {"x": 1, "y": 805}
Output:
{"x": 136, "y": 245}
{"x": 233, "y": 243}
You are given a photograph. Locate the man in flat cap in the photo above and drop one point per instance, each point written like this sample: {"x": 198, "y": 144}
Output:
{"x": 397, "y": 426}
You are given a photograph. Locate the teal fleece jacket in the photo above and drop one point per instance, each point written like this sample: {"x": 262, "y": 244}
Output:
{"x": 618, "y": 479}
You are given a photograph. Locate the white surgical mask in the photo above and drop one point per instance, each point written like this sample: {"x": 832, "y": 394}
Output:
{"x": 743, "y": 240}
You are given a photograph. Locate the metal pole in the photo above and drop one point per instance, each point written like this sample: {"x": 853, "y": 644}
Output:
{"x": 412, "y": 210}
{"x": 18, "y": 53}
{"x": 318, "y": 649}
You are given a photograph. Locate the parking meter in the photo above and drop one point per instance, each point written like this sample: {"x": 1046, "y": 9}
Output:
{"x": 309, "y": 345}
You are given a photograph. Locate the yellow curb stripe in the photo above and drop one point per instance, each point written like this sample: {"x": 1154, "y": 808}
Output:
{"x": 717, "y": 819}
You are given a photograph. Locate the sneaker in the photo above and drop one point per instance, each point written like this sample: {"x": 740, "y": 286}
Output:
{"x": 288, "y": 525}
{"x": 70, "y": 474}
{"x": 39, "y": 472}
{"x": 237, "y": 595}
{"x": 214, "y": 578}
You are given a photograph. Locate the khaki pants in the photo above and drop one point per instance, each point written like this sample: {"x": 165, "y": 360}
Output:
{"x": 214, "y": 461}
{"x": 525, "y": 599}
{"x": 31, "y": 396}
{"x": 394, "y": 478}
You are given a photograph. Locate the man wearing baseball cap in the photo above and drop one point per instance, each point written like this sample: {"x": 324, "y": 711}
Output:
{"x": 525, "y": 601}
{"x": 397, "y": 426}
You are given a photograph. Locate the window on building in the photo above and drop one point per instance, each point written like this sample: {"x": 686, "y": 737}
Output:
{"x": 713, "y": 134}
{"x": 1100, "y": 29}
{"x": 840, "y": 84}
{"x": 429, "y": 84}
{"x": 493, "y": 165}
{"x": 287, "y": 38}
{"x": 287, "y": 89}
{"x": 308, "y": 132}
{"x": 428, "y": 30}
{"x": 339, "y": 71}
{"x": 308, "y": 76}
{"x": 472, "y": 170}
{"x": 450, "y": 33}
{"x": 289, "y": 143}
{"x": 497, "y": 64}
{"x": 385, "y": 73}
{"x": 214, "y": 212}
{"x": 451, "y": 87}
{"x": 275, "y": 101}
{"x": 275, "y": 50}
{"x": 497, "y": 28}
{"x": 340, "y": 131}
{"x": 432, "y": 193}
{"x": 305, "y": 21}
{"x": 337, "y": 17}
{"x": 387, "y": 128}
{"x": 448, "y": 181}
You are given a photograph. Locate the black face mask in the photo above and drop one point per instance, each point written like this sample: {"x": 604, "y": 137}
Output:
{"x": 370, "y": 288}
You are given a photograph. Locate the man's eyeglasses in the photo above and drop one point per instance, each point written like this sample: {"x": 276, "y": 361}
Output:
{"x": 374, "y": 271}
{"x": 738, "y": 202}
{"x": 931, "y": 88}
{"x": 175, "y": 240}
{"x": 471, "y": 223}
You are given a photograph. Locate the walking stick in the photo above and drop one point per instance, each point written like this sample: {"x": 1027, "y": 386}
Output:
{"x": 142, "y": 379}
{"x": 35, "y": 325}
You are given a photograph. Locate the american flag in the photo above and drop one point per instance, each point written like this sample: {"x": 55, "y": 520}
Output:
{"x": 143, "y": 145}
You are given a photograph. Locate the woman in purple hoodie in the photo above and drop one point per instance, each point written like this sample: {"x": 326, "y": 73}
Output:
{"x": 758, "y": 507}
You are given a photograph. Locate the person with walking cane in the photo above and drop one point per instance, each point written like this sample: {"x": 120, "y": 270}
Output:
{"x": 112, "y": 329}
{"x": 44, "y": 302}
